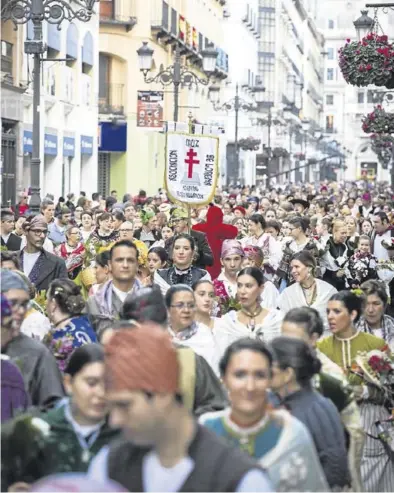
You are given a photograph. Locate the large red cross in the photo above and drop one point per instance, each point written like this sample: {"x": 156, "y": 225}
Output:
{"x": 191, "y": 154}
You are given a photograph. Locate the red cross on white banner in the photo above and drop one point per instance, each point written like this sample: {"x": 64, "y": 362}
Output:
{"x": 190, "y": 161}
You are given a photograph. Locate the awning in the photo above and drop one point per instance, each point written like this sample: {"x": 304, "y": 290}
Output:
{"x": 86, "y": 145}
{"x": 27, "y": 141}
{"x": 69, "y": 146}
{"x": 112, "y": 137}
{"x": 87, "y": 49}
{"x": 72, "y": 41}
{"x": 50, "y": 145}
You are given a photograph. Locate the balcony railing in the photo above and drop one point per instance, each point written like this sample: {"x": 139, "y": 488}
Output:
{"x": 111, "y": 99}
{"x": 118, "y": 12}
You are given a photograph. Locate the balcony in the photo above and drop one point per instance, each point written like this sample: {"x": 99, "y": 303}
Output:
{"x": 164, "y": 23}
{"x": 118, "y": 13}
{"x": 111, "y": 99}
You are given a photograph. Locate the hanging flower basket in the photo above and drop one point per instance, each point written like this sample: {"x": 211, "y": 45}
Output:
{"x": 382, "y": 145}
{"x": 280, "y": 152}
{"x": 378, "y": 122}
{"x": 369, "y": 61}
{"x": 249, "y": 144}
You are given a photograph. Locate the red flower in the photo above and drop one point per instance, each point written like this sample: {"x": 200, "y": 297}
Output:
{"x": 369, "y": 66}
{"x": 361, "y": 68}
{"x": 348, "y": 40}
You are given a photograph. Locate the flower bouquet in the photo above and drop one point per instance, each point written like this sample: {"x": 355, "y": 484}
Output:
{"x": 23, "y": 442}
{"x": 377, "y": 368}
{"x": 61, "y": 348}
{"x": 385, "y": 271}
{"x": 369, "y": 61}
{"x": 225, "y": 302}
{"x": 249, "y": 144}
{"x": 382, "y": 146}
{"x": 379, "y": 121}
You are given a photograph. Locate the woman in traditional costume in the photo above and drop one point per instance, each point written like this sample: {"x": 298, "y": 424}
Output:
{"x": 71, "y": 329}
{"x": 70, "y": 434}
{"x": 336, "y": 257}
{"x": 307, "y": 290}
{"x": 251, "y": 319}
{"x": 280, "y": 442}
{"x": 294, "y": 366}
{"x": 182, "y": 271}
{"x": 374, "y": 321}
{"x": 72, "y": 251}
{"x": 270, "y": 247}
{"x": 185, "y": 331}
{"x": 253, "y": 257}
{"x": 343, "y": 346}
{"x": 299, "y": 242}
{"x": 306, "y": 324}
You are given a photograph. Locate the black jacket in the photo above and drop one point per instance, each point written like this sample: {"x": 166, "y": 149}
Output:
{"x": 52, "y": 268}
{"x": 13, "y": 244}
{"x": 322, "y": 419}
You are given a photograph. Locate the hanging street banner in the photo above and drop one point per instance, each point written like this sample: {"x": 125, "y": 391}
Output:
{"x": 191, "y": 170}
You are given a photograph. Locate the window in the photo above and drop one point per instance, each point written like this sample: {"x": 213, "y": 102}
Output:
{"x": 330, "y": 24}
{"x": 330, "y": 123}
{"x": 330, "y": 99}
{"x": 370, "y": 98}
{"x": 330, "y": 74}
{"x": 104, "y": 70}
{"x": 360, "y": 97}
{"x": 330, "y": 53}
{"x": 6, "y": 57}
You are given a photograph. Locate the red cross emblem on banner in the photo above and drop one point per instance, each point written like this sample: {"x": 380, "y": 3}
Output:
{"x": 191, "y": 161}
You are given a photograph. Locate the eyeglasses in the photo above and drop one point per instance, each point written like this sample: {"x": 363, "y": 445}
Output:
{"x": 15, "y": 304}
{"x": 39, "y": 232}
{"x": 181, "y": 306}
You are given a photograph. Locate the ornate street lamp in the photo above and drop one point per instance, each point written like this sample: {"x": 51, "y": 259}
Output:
{"x": 363, "y": 25}
{"x": 177, "y": 74}
{"x": 235, "y": 104}
{"x": 38, "y": 11}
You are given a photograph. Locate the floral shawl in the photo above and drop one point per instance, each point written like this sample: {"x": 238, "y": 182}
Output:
{"x": 74, "y": 259}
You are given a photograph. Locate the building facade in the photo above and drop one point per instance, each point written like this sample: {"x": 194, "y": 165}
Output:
{"x": 345, "y": 105}
{"x": 131, "y": 112}
{"x": 68, "y": 107}
{"x": 290, "y": 64}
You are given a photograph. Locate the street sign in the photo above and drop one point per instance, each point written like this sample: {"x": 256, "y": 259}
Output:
{"x": 191, "y": 170}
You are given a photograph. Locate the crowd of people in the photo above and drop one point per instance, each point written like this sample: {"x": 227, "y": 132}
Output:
{"x": 244, "y": 345}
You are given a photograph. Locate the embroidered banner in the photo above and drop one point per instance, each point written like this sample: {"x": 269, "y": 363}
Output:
{"x": 191, "y": 170}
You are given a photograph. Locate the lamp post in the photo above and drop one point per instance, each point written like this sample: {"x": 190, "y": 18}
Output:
{"x": 236, "y": 104}
{"x": 177, "y": 74}
{"x": 38, "y": 11}
{"x": 363, "y": 25}
{"x": 306, "y": 125}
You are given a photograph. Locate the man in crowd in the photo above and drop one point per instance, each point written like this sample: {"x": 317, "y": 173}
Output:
{"x": 126, "y": 231}
{"x": 383, "y": 232}
{"x": 38, "y": 367}
{"x": 57, "y": 229}
{"x": 164, "y": 448}
{"x": 129, "y": 211}
{"x": 106, "y": 305}
{"x": 9, "y": 240}
{"x": 40, "y": 266}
